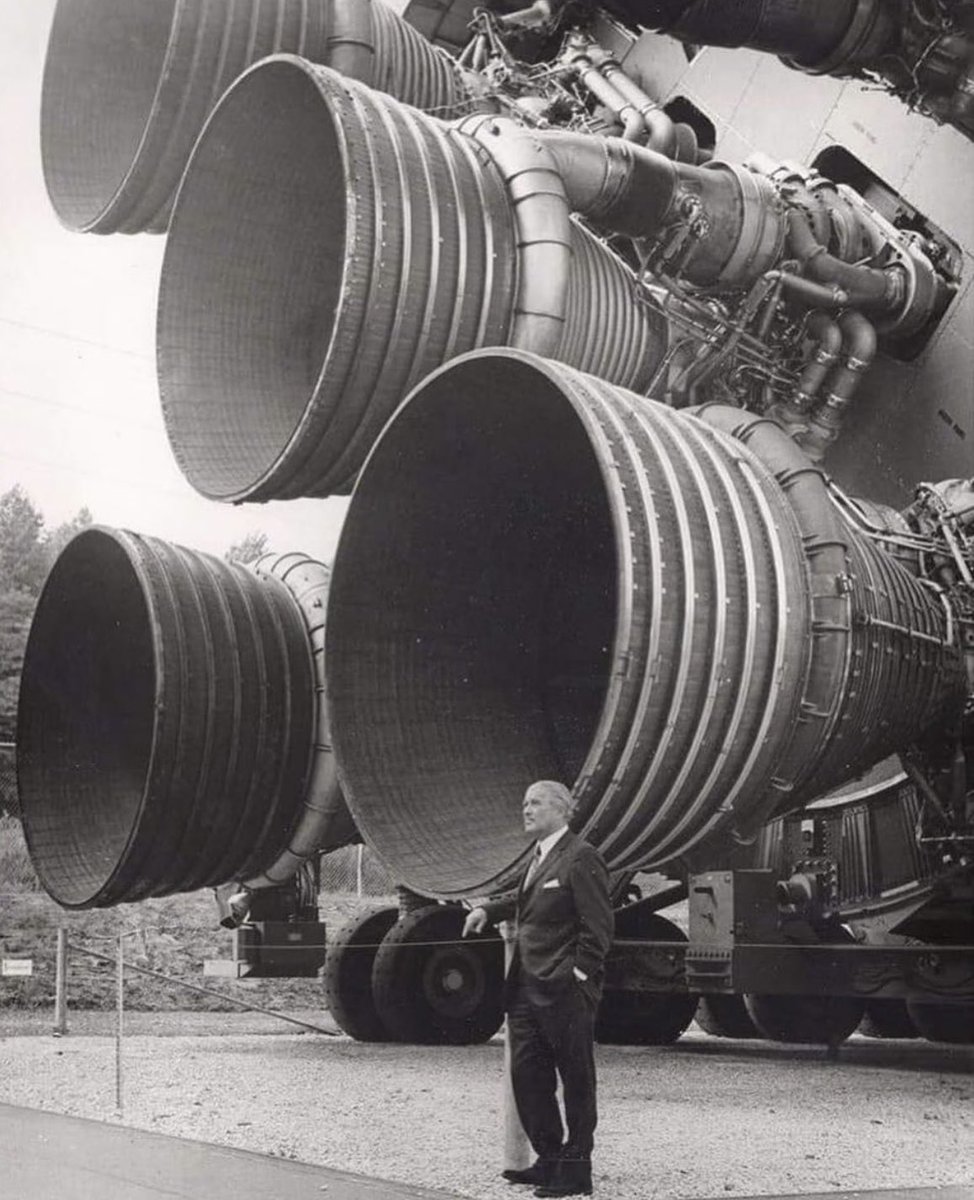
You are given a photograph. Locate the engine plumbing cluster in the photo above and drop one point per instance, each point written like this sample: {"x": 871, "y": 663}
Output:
{"x": 779, "y": 284}
{"x": 920, "y": 50}
{"x": 934, "y": 539}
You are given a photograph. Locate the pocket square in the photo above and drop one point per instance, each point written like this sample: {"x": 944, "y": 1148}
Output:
{"x": 550, "y": 883}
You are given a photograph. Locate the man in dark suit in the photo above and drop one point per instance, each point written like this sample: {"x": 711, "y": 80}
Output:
{"x": 564, "y": 929}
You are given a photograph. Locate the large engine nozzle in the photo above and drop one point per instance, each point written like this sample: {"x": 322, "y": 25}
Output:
{"x": 545, "y": 576}
{"x": 925, "y": 59}
{"x": 817, "y": 36}
{"x": 169, "y": 736}
{"x": 330, "y": 247}
{"x": 128, "y": 85}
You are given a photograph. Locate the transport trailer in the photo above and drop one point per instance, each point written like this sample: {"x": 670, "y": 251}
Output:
{"x": 844, "y": 922}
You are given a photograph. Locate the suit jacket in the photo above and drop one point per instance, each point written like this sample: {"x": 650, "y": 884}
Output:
{"x": 564, "y": 920}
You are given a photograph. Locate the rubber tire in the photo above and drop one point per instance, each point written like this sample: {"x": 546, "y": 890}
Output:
{"x": 430, "y": 994}
{"x": 887, "y": 1019}
{"x": 950, "y": 1023}
{"x": 644, "y": 1018}
{"x": 726, "y": 1016}
{"x": 805, "y": 1020}
{"x": 347, "y": 973}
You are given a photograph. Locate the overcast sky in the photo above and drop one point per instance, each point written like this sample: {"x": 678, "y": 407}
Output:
{"x": 80, "y": 419}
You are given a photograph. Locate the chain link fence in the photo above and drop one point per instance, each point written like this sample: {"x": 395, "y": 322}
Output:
{"x": 16, "y": 872}
{"x": 356, "y": 870}
{"x": 9, "y": 804}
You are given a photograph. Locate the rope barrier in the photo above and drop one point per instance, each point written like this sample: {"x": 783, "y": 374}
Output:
{"x": 193, "y": 987}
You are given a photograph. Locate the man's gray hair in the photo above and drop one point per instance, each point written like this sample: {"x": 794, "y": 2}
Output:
{"x": 554, "y": 791}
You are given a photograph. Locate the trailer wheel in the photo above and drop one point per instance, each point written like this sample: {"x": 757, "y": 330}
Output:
{"x": 643, "y": 1018}
{"x": 725, "y": 1016}
{"x": 887, "y": 1019}
{"x": 348, "y": 973}
{"x": 432, "y": 987}
{"x": 952, "y": 1023}
{"x": 810, "y": 1020}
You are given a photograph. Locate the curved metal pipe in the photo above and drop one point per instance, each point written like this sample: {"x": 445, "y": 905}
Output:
{"x": 859, "y": 345}
{"x": 128, "y": 86}
{"x": 633, "y": 190}
{"x": 820, "y": 295}
{"x": 535, "y": 14}
{"x": 634, "y": 128}
{"x": 350, "y": 48}
{"x": 166, "y": 723}
{"x": 660, "y": 131}
{"x": 597, "y": 588}
{"x": 544, "y": 231}
{"x": 826, "y": 339}
{"x": 864, "y": 287}
{"x": 313, "y": 275}
{"x": 324, "y": 822}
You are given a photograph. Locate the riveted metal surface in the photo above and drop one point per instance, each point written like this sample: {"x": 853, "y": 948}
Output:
{"x": 579, "y": 583}
{"x": 165, "y": 724}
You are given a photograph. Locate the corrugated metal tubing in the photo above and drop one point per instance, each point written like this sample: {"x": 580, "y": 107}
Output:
{"x": 128, "y": 86}
{"x": 582, "y": 584}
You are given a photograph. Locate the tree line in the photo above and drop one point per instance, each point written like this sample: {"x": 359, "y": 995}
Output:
{"x": 27, "y": 552}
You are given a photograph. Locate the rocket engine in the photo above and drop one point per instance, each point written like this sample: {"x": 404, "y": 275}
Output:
{"x": 172, "y": 732}
{"x": 670, "y": 609}
{"x": 310, "y": 280}
{"x": 578, "y": 376}
{"x": 922, "y": 52}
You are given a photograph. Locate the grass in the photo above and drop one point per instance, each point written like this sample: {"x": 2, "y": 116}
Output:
{"x": 173, "y": 935}
{"x": 16, "y": 872}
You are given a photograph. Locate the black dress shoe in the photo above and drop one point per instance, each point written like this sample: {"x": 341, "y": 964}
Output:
{"x": 540, "y": 1172}
{"x": 571, "y": 1177}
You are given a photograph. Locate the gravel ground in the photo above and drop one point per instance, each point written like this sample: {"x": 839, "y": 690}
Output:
{"x": 705, "y": 1118}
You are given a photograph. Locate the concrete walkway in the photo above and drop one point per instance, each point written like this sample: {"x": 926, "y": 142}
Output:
{"x": 45, "y": 1156}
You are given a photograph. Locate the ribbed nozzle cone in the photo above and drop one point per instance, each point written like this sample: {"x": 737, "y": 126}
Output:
{"x": 166, "y": 725}
{"x": 128, "y": 85}
{"x": 577, "y": 583}
{"x": 329, "y": 248}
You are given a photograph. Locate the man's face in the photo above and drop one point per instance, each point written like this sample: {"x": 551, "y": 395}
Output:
{"x": 543, "y": 814}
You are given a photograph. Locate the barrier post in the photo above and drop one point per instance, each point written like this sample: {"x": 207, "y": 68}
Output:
{"x": 61, "y": 983}
{"x": 120, "y": 1012}
{"x": 517, "y": 1148}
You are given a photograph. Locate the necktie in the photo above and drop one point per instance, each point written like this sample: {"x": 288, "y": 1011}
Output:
{"x": 534, "y": 865}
